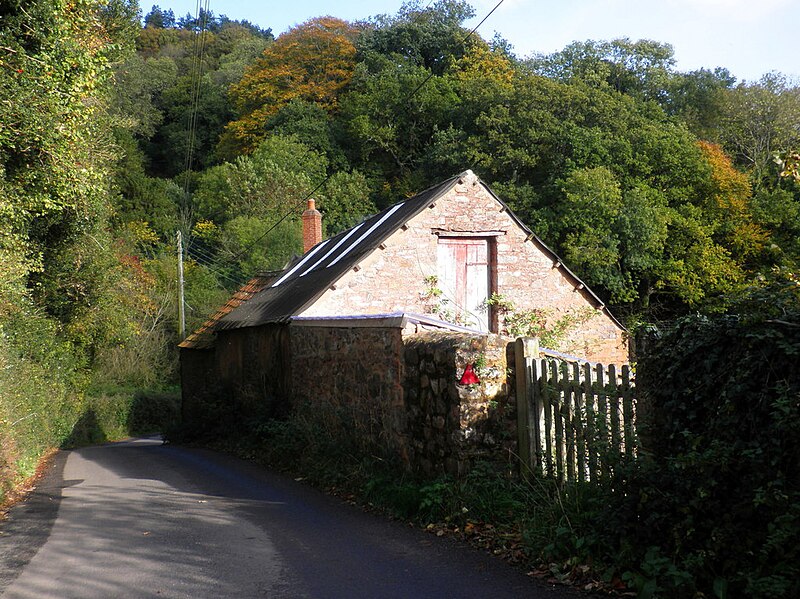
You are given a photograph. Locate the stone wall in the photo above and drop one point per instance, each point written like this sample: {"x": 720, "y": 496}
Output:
{"x": 400, "y": 394}
{"x": 393, "y": 392}
{"x": 253, "y": 368}
{"x": 451, "y": 425}
{"x": 353, "y": 376}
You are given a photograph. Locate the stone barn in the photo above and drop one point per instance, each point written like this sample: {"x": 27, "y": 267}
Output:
{"x": 443, "y": 252}
{"x": 453, "y": 257}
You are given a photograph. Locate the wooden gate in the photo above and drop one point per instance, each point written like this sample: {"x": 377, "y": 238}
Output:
{"x": 575, "y": 421}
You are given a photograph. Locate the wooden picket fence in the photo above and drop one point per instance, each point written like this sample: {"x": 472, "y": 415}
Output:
{"x": 576, "y": 421}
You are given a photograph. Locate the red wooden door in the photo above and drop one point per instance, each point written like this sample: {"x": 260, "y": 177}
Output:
{"x": 463, "y": 265}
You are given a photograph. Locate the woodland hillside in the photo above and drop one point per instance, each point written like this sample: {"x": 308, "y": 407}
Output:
{"x": 670, "y": 193}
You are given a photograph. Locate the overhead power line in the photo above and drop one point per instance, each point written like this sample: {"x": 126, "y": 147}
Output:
{"x": 215, "y": 269}
{"x": 289, "y": 213}
{"x": 201, "y": 18}
{"x": 301, "y": 201}
{"x": 212, "y": 263}
{"x": 464, "y": 41}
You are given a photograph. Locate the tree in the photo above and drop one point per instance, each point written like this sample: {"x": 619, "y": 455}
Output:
{"x": 140, "y": 84}
{"x": 429, "y": 37}
{"x": 390, "y": 117}
{"x": 402, "y": 95}
{"x": 642, "y": 68}
{"x": 610, "y": 182}
{"x": 730, "y": 205}
{"x": 140, "y": 198}
{"x": 790, "y": 165}
{"x": 207, "y": 107}
{"x": 761, "y": 120}
{"x": 238, "y": 48}
{"x": 205, "y": 64}
{"x": 274, "y": 178}
{"x": 633, "y": 244}
{"x": 345, "y": 201}
{"x": 159, "y": 19}
{"x": 697, "y": 270}
{"x": 312, "y": 62}
{"x": 254, "y": 204}
{"x": 55, "y": 149}
{"x": 205, "y": 20}
{"x": 312, "y": 125}
{"x": 697, "y": 98}
{"x": 58, "y": 268}
{"x": 593, "y": 201}
{"x": 244, "y": 243}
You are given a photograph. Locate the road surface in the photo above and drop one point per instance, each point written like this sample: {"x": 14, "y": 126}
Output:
{"x": 143, "y": 519}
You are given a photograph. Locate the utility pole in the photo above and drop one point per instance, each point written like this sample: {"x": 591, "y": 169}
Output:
{"x": 181, "y": 313}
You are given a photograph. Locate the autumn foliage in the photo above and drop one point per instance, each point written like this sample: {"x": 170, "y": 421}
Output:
{"x": 312, "y": 62}
{"x": 731, "y": 199}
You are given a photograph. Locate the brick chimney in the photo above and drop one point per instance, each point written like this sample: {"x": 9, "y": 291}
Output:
{"x": 312, "y": 226}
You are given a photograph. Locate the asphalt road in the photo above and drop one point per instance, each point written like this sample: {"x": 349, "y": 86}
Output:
{"x": 142, "y": 519}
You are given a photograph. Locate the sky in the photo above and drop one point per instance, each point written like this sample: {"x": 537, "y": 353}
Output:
{"x": 748, "y": 37}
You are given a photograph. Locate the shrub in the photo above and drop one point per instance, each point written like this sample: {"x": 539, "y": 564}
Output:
{"x": 711, "y": 507}
{"x": 41, "y": 384}
{"x": 719, "y": 488}
{"x": 116, "y": 413}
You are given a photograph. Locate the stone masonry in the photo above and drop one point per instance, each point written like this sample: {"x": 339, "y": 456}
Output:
{"x": 353, "y": 376}
{"x": 393, "y": 279}
{"x": 453, "y": 425}
{"x": 400, "y": 394}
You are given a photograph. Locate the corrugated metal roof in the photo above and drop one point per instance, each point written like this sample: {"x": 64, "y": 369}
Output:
{"x": 303, "y": 282}
{"x": 203, "y": 337}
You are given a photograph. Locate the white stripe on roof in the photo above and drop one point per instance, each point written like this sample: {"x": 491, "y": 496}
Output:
{"x": 366, "y": 234}
{"x": 305, "y": 259}
{"x": 333, "y": 249}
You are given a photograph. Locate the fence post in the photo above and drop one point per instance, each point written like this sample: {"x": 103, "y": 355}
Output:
{"x": 591, "y": 433}
{"x": 558, "y": 419}
{"x": 604, "y": 437}
{"x": 627, "y": 412}
{"x": 579, "y": 418}
{"x": 547, "y": 396}
{"x": 526, "y": 352}
{"x": 614, "y": 406}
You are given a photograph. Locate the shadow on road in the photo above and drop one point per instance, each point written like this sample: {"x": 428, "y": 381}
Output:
{"x": 158, "y": 520}
{"x": 28, "y": 524}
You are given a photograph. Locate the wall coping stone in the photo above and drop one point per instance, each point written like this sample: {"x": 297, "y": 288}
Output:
{"x": 399, "y": 320}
